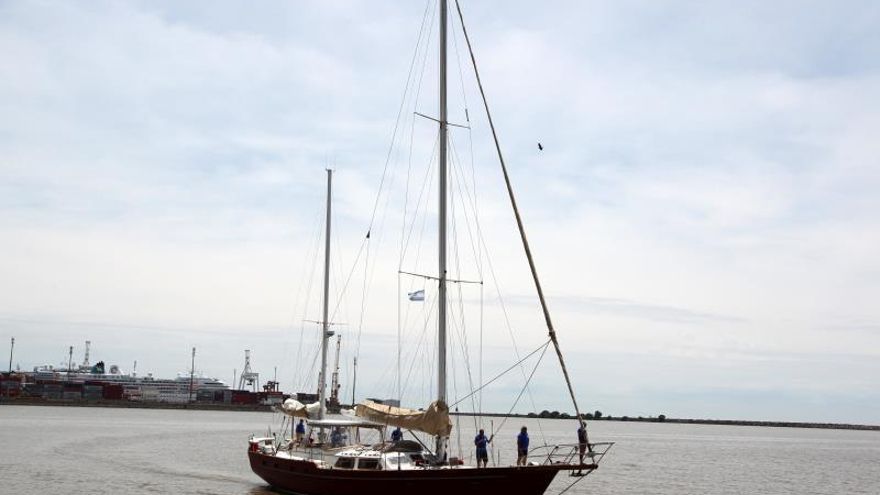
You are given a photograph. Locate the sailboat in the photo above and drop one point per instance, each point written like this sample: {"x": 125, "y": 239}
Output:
{"x": 338, "y": 462}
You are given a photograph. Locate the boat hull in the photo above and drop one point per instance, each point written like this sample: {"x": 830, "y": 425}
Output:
{"x": 306, "y": 478}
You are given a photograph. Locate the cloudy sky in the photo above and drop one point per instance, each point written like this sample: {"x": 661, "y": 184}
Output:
{"x": 704, "y": 214}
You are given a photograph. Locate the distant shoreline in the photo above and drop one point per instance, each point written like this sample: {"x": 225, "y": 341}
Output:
{"x": 194, "y": 406}
{"x": 690, "y": 421}
{"x": 265, "y": 408}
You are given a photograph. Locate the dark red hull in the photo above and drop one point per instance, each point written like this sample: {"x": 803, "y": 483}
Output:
{"x": 304, "y": 477}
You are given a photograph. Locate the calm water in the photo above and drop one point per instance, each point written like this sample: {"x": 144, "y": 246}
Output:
{"x": 70, "y": 450}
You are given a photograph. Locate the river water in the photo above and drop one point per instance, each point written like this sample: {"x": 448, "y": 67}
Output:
{"x": 72, "y": 450}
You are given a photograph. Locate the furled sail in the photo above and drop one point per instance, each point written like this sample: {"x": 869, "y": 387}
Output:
{"x": 297, "y": 409}
{"x": 433, "y": 420}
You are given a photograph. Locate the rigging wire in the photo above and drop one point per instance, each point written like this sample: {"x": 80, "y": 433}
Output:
{"x": 357, "y": 349}
{"x": 400, "y": 110}
{"x": 312, "y": 259}
{"x": 499, "y": 375}
{"x": 341, "y": 294}
{"x": 387, "y": 177}
{"x": 525, "y": 244}
{"x": 416, "y": 354}
{"x": 456, "y": 181}
{"x": 518, "y": 397}
{"x": 508, "y": 325}
{"x": 404, "y": 237}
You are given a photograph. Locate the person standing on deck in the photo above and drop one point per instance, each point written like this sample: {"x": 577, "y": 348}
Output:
{"x": 482, "y": 444}
{"x": 522, "y": 447}
{"x": 582, "y": 442}
{"x": 336, "y": 437}
{"x": 396, "y": 435}
{"x": 300, "y": 432}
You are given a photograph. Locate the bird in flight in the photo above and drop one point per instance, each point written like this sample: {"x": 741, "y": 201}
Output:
{"x": 540, "y": 146}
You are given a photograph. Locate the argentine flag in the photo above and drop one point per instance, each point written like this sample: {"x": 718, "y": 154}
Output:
{"x": 418, "y": 295}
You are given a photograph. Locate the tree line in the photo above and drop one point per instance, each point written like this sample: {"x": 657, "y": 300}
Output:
{"x": 596, "y": 415}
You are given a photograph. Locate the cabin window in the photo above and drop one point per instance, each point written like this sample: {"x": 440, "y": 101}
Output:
{"x": 368, "y": 464}
{"x": 345, "y": 463}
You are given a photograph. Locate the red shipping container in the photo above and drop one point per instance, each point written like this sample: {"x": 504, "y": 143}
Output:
{"x": 113, "y": 392}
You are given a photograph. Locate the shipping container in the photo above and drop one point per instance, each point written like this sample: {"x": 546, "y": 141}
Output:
{"x": 113, "y": 392}
{"x": 245, "y": 397}
{"x": 10, "y": 388}
{"x": 33, "y": 390}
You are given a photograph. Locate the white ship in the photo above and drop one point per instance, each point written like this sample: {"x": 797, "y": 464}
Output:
{"x": 181, "y": 389}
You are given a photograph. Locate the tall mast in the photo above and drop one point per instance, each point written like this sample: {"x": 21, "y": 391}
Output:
{"x": 325, "y": 324}
{"x": 192, "y": 374}
{"x": 441, "y": 304}
{"x": 354, "y": 380}
{"x": 11, "y": 348}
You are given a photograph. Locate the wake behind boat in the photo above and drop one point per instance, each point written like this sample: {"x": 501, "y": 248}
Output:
{"x": 348, "y": 453}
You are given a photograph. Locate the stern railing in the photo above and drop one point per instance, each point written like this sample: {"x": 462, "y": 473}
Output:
{"x": 570, "y": 455}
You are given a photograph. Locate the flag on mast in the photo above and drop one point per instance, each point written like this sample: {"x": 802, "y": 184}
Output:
{"x": 418, "y": 295}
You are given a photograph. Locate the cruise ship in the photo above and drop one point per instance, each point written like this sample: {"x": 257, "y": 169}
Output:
{"x": 136, "y": 388}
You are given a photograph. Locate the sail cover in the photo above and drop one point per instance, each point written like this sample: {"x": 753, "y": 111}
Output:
{"x": 433, "y": 420}
{"x": 297, "y": 409}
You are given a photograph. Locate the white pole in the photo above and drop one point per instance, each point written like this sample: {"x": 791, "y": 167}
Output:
{"x": 441, "y": 304}
{"x": 325, "y": 326}
{"x": 192, "y": 374}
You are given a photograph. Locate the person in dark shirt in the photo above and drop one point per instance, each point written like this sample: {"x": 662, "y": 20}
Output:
{"x": 482, "y": 444}
{"x": 396, "y": 435}
{"x": 582, "y": 441}
{"x": 300, "y": 432}
{"x": 337, "y": 438}
{"x": 522, "y": 447}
